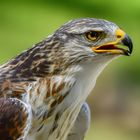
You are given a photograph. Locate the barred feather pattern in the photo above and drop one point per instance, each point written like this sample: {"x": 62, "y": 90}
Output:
{"x": 44, "y": 72}
{"x": 44, "y": 78}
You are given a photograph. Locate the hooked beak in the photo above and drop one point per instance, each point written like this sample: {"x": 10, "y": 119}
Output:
{"x": 115, "y": 47}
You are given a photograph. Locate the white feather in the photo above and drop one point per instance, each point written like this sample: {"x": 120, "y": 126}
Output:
{"x": 85, "y": 82}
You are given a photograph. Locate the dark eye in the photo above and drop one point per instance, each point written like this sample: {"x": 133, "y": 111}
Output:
{"x": 93, "y": 35}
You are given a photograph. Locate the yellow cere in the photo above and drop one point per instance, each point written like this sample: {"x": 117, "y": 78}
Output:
{"x": 120, "y": 34}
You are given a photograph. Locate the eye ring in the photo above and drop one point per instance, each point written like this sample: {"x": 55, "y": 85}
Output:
{"x": 93, "y": 35}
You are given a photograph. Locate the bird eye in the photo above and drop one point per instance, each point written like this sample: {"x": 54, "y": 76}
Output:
{"x": 93, "y": 35}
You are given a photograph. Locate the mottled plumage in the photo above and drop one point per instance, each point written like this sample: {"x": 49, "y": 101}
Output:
{"x": 14, "y": 119}
{"x": 45, "y": 87}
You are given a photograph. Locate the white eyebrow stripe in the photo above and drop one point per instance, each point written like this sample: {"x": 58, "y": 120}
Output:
{"x": 85, "y": 29}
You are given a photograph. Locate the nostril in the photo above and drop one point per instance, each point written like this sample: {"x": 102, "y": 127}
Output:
{"x": 119, "y": 36}
{"x": 120, "y": 33}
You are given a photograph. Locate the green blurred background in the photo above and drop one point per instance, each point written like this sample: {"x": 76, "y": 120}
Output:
{"x": 115, "y": 102}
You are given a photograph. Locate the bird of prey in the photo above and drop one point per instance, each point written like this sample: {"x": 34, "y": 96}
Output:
{"x": 43, "y": 90}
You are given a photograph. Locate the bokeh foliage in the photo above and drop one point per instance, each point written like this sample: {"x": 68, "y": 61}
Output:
{"x": 22, "y": 23}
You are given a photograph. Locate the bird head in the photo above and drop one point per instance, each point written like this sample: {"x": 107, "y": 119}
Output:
{"x": 75, "y": 43}
{"x": 89, "y": 38}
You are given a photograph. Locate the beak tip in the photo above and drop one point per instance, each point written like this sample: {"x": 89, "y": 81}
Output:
{"x": 128, "y": 42}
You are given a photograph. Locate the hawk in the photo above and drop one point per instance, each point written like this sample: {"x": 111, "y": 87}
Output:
{"x": 43, "y": 90}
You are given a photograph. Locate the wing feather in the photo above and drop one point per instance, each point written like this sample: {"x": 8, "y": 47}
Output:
{"x": 14, "y": 118}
